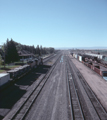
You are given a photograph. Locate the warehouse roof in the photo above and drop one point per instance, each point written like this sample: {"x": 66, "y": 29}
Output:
{"x": 25, "y": 53}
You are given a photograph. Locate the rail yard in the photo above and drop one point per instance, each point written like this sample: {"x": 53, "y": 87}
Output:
{"x": 67, "y": 85}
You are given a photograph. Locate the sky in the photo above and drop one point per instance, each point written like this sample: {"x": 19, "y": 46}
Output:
{"x": 54, "y": 23}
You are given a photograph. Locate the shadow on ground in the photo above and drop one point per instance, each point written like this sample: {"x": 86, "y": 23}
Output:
{"x": 16, "y": 90}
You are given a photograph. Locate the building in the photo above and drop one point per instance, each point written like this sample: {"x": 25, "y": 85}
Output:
{"x": 25, "y": 55}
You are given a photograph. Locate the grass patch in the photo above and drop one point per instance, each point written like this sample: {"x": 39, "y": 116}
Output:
{"x": 2, "y": 71}
{"x": 9, "y": 67}
{"x": 13, "y": 66}
{"x": 45, "y": 55}
{"x": 20, "y": 62}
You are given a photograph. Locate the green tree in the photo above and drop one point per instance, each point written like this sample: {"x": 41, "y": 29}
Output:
{"x": 0, "y": 60}
{"x": 11, "y": 54}
{"x": 41, "y": 50}
{"x": 44, "y": 50}
{"x": 51, "y": 50}
{"x": 38, "y": 50}
{"x": 33, "y": 49}
{"x": 3, "y": 49}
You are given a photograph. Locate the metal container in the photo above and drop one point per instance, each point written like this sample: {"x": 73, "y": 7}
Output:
{"x": 95, "y": 65}
{"x": 97, "y": 70}
{"x": 26, "y": 68}
{"x": 4, "y": 78}
{"x": 80, "y": 58}
{"x": 104, "y": 75}
{"x": 72, "y": 54}
{"x": 32, "y": 63}
{"x": 13, "y": 73}
{"x": 76, "y": 56}
{"x": 100, "y": 70}
{"x": 36, "y": 61}
{"x": 83, "y": 62}
{"x": 86, "y": 59}
{"x": 20, "y": 70}
{"x": 103, "y": 71}
{"x": 90, "y": 65}
{"x": 100, "y": 56}
{"x": 86, "y": 63}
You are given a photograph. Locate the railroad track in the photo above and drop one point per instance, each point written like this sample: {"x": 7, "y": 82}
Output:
{"x": 45, "y": 60}
{"x": 48, "y": 58}
{"x": 22, "y": 111}
{"x": 100, "y": 112}
{"x": 76, "y": 110}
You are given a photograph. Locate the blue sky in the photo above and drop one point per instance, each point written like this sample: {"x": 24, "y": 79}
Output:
{"x": 54, "y": 23}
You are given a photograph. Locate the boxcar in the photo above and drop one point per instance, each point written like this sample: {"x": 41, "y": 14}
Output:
{"x": 4, "y": 78}
{"x": 13, "y": 73}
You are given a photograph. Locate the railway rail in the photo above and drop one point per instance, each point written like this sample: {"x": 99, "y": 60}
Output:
{"x": 83, "y": 113}
{"x": 48, "y": 58}
{"x": 21, "y": 112}
{"x": 76, "y": 111}
{"x": 45, "y": 60}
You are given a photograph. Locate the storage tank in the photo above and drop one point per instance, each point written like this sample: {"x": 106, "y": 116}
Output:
{"x": 4, "y": 78}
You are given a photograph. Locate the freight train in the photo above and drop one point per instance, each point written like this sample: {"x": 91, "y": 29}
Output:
{"x": 93, "y": 63}
{"x": 18, "y": 72}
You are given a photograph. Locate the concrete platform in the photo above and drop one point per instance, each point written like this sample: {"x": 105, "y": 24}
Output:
{"x": 95, "y": 81}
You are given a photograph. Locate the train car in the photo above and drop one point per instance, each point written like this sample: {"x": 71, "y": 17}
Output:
{"x": 86, "y": 63}
{"x": 41, "y": 61}
{"x": 76, "y": 56}
{"x": 18, "y": 72}
{"x": 94, "y": 65}
{"x": 4, "y": 78}
{"x": 83, "y": 59}
{"x": 80, "y": 58}
{"x": 32, "y": 63}
{"x": 27, "y": 68}
{"x": 36, "y": 62}
{"x": 72, "y": 54}
{"x": 13, "y": 73}
{"x": 101, "y": 71}
{"x": 96, "y": 68}
{"x": 91, "y": 62}
{"x": 90, "y": 65}
{"x": 105, "y": 75}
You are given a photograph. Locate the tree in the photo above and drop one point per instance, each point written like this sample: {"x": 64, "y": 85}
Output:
{"x": 33, "y": 49}
{"x": 41, "y": 50}
{"x": 38, "y": 50}
{"x": 14, "y": 53}
{"x": 44, "y": 50}
{"x": 3, "y": 49}
{"x": 51, "y": 50}
{"x": 11, "y": 54}
{"x": 0, "y": 60}
{"x": 18, "y": 47}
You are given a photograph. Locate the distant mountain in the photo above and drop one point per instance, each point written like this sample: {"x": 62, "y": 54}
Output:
{"x": 66, "y": 48}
